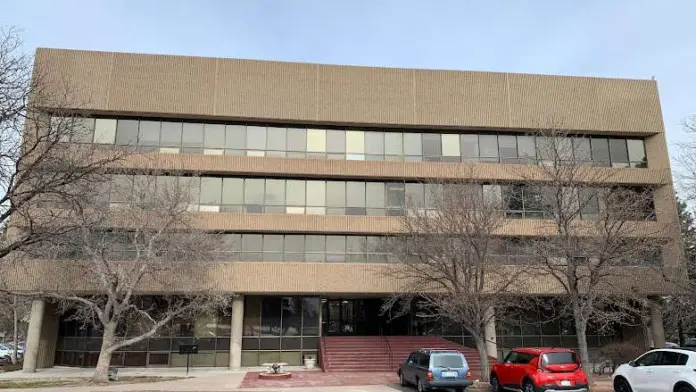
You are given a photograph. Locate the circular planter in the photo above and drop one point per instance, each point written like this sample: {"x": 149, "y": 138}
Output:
{"x": 275, "y": 376}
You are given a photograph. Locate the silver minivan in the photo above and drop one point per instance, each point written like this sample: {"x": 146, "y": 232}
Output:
{"x": 435, "y": 368}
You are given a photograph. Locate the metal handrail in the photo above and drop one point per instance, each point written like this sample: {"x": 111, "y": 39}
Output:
{"x": 389, "y": 351}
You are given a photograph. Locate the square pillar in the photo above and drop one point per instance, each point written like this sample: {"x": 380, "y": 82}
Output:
{"x": 236, "y": 333}
{"x": 656, "y": 326}
{"x": 36, "y": 320}
{"x": 489, "y": 334}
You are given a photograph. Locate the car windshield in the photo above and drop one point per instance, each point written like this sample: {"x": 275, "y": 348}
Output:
{"x": 448, "y": 361}
{"x": 566, "y": 358}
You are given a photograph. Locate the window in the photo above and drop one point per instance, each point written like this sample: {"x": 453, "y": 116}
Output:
{"x": 104, "y": 131}
{"x": 526, "y": 150}
{"x": 235, "y": 139}
{"x": 396, "y": 197}
{"x": 316, "y": 197}
{"x": 600, "y": 151}
{"x": 560, "y": 358}
{"x": 214, "y": 138}
{"x": 447, "y": 361}
{"x": 413, "y": 147}
{"x": 295, "y": 193}
{"x": 294, "y": 248}
{"x": 126, "y": 132}
{"x": 432, "y": 147}
{"x": 619, "y": 153}
{"x": 508, "y": 148}
{"x": 335, "y": 249}
{"x": 83, "y": 130}
{"x": 256, "y": 138}
{"x": 393, "y": 146}
{"x": 276, "y": 141}
{"x": 149, "y": 135}
{"x": 374, "y": 146}
{"x": 211, "y": 192}
{"x": 415, "y": 195}
{"x": 335, "y": 194}
{"x": 316, "y": 140}
{"x": 450, "y": 148}
{"x": 636, "y": 153}
{"x": 192, "y": 136}
{"x": 336, "y": 143}
{"x": 272, "y": 247}
{"x": 469, "y": 147}
{"x": 315, "y": 248}
{"x": 355, "y": 198}
{"x": 297, "y": 140}
{"x": 671, "y": 358}
{"x": 374, "y": 192}
{"x": 582, "y": 150}
{"x": 355, "y": 145}
{"x": 650, "y": 359}
{"x": 488, "y": 145}
{"x": 232, "y": 194}
{"x": 253, "y": 195}
{"x": 170, "y": 135}
{"x": 252, "y": 247}
{"x": 275, "y": 194}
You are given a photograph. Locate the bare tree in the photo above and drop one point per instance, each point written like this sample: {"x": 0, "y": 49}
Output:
{"x": 448, "y": 263}
{"x": 593, "y": 233}
{"x": 37, "y": 119}
{"x": 13, "y": 318}
{"x": 139, "y": 260}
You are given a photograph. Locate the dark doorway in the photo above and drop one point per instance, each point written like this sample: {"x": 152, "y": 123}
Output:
{"x": 360, "y": 317}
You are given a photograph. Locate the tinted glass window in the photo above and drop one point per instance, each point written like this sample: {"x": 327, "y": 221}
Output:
{"x": 523, "y": 358}
{"x": 450, "y": 145}
{"x": 636, "y": 153}
{"x": 297, "y": 139}
{"x": 508, "y": 148}
{"x": 235, "y": 137}
{"x": 619, "y": 152}
{"x": 432, "y": 145}
{"x": 488, "y": 144}
{"x": 671, "y": 358}
{"x": 256, "y": 138}
{"x": 600, "y": 151}
{"x": 214, "y": 136}
{"x": 336, "y": 141}
{"x": 526, "y": 149}
{"x": 105, "y": 131}
{"x": 316, "y": 140}
{"x": 393, "y": 143}
{"x": 192, "y": 135}
{"x": 413, "y": 144}
{"x": 126, "y": 132}
{"x": 558, "y": 359}
{"x": 582, "y": 150}
{"x": 649, "y": 359}
{"x": 170, "y": 135}
{"x": 276, "y": 138}
{"x": 424, "y": 360}
{"x": 447, "y": 361}
{"x": 374, "y": 143}
{"x": 149, "y": 133}
{"x": 469, "y": 146}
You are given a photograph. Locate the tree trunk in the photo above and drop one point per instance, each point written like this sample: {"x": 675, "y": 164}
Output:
{"x": 581, "y": 331}
{"x": 101, "y": 372}
{"x": 680, "y": 329}
{"x": 483, "y": 357}
{"x": 15, "y": 328}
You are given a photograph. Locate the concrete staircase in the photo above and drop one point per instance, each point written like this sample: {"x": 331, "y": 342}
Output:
{"x": 383, "y": 353}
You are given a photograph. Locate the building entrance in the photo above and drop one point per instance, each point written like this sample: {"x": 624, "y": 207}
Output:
{"x": 360, "y": 317}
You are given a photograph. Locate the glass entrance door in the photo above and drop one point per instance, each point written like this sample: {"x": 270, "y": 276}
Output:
{"x": 338, "y": 317}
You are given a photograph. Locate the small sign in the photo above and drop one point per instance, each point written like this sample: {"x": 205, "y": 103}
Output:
{"x": 188, "y": 349}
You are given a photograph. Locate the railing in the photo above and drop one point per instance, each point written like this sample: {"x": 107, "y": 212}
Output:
{"x": 322, "y": 354}
{"x": 387, "y": 347}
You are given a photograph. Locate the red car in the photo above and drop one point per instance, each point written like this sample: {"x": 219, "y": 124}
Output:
{"x": 538, "y": 370}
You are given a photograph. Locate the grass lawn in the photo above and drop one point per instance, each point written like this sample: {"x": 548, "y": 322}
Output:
{"x": 76, "y": 382}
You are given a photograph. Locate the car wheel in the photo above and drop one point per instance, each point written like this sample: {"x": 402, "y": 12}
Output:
{"x": 495, "y": 384}
{"x": 621, "y": 385}
{"x": 685, "y": 388}
{"x": 528, "y": 387}
{"x": 402, "y": 382}
{"x": 421, "y": 386}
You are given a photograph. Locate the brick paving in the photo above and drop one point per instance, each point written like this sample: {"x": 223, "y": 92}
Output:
{"x": 320, "y": 379}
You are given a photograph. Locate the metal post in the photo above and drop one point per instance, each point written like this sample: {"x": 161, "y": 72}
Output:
{"x": 188, "y": 359}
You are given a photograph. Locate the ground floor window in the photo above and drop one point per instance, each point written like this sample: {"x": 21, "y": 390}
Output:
{"x": 280, "y": 329}
{"x": 79, "y": 345}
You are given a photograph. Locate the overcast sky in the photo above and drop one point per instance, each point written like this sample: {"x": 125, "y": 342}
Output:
{"x": 613, "y": 38}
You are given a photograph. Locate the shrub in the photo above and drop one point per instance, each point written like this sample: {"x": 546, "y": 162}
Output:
{"x": 620, "y": 353}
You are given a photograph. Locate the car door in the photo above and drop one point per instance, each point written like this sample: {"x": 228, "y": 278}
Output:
{"x": 642, "y": 376}
{"x": 667, "y": 372}
{"x": 408, "y": 368}
{"x": 424, "y": 365}
{"x": 520, "y": 367}
{"x": 505, "y": 377}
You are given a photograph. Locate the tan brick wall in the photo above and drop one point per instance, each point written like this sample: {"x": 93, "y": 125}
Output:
{"x": 181, "y": 86}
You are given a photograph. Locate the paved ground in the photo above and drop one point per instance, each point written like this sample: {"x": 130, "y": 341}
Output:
{"x": 222, "y": 379}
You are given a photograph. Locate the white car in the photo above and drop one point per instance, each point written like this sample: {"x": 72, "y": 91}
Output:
{"x": 662, "y": 370}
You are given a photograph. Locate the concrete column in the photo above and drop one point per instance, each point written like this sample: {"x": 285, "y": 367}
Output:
{"x": 489, "y": 334}
{"x": 656, "y": 326}
{"x": 237, "y": 330}
{"x": 31, "y": 351}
